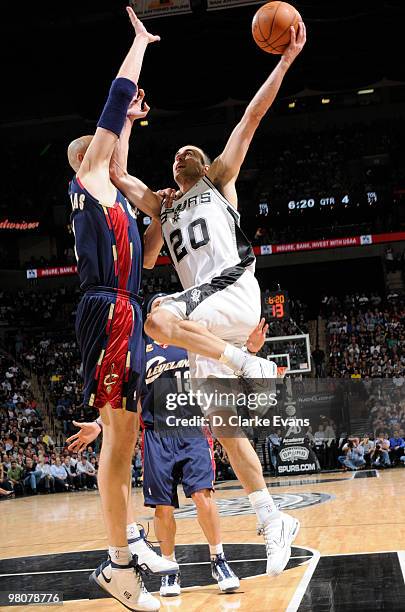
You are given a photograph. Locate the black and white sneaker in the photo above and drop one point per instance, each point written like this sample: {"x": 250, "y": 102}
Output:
{"x": 222, "y": 573}
{"x": 124, "y": 583}
{"x": 149, "y": 562}
{"x": 170, "y": 586}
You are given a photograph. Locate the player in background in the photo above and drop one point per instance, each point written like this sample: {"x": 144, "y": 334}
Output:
{"x": 170, "y": 459}
{"x": 220, "y": 303}
{"x": 109, "y": 317}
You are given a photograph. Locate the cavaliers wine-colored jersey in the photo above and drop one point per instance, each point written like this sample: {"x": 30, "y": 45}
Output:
{"x": 107, "y": 242}
{"x": 109, "y": 317}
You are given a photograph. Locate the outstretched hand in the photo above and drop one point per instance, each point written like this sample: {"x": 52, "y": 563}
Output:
{"x": 256, "y": 339}
{"x": 168, "y": 196}
{"x": 85, "y": 436}
{"x": 297, "y": 42}
{"x": 139, "y": 28}
{"x": 138, "y": 109}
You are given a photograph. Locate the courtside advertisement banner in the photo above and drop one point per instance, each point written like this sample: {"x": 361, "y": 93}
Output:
{"x": 23, "y": 226}
{"x": 47, "y": 272}
{"x": 296, "y": 456}
{"x": 267, "y": 249}
{"x": 149, "y": 9}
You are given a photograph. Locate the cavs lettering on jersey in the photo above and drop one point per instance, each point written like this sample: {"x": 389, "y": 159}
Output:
{"x": 107, "y": 243}
{"x": 202, "y": 233}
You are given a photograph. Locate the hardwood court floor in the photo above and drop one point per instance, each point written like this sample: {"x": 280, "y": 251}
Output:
{"x": 351, "y": 530}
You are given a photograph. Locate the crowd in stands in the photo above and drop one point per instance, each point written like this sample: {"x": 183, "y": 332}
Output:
{"x": 30, "y": 309}
{"x": 366, "y": 342}
{"x": 366, "y": 335}
{"x": 29, "y": 460}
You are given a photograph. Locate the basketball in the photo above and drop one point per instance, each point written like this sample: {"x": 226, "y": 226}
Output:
{"x": 271, "y": 26}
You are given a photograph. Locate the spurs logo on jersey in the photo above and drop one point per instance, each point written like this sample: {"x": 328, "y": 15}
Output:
{"x": 157, "y": 365}
{"x": 196, "y": 295}
{"x": 203, "y": 235}
{"x": 183, "y": 203}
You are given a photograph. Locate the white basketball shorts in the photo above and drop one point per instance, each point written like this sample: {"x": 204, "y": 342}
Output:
{"x": 229, "y": 307}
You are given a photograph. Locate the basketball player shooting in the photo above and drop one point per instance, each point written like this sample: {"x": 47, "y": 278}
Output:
{"x": 109, "y": 318}
{"x": 220, "y": 303}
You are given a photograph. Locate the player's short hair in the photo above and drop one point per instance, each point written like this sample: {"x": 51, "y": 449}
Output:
{"x": 77, "y": 146}
{"x": 206, "y": 158}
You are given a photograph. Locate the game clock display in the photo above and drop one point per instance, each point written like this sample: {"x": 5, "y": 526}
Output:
{"x": 346, "y": 199}
{"x": 276, "y": 305}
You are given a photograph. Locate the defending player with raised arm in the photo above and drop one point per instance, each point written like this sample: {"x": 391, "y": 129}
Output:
{"x": 109, "y": 318}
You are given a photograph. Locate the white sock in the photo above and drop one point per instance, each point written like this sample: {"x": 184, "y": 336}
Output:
{"x": 132, "y": 531}
{"x": 171, "y": 557}
{"x": 216, "y": 549}
{"x": 233, "y": 357}
{"x": 119, "y": 554}
{"x": 263, "y": 505}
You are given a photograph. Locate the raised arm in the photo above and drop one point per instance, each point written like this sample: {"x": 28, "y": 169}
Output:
{"x": 122, "y": 91}
{"x": 225, "y": 169}
{"x": 135, "y": 191}
{"x": 138, "y": 109}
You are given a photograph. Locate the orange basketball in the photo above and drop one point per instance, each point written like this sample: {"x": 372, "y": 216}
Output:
{"x": 271, "y": 26}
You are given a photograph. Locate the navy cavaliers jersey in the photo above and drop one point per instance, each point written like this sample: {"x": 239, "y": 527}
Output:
{"x": 161, "y": 360}
{"x": 107, "y": 242}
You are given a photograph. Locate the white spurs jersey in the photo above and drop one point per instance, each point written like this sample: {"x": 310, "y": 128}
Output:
{"x": 202, "y": 232}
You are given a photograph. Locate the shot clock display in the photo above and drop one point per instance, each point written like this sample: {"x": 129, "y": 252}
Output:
{"x": 276, "y": 305}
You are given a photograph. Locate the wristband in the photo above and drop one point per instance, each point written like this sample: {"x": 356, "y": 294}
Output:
{"x": 99, "y": 422}
{"x": 115, "y": 110}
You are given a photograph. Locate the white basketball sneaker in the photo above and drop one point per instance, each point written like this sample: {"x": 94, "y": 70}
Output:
{"x": 170, "y": 586}
{"x": 279, "y": 533}
{"x": 222, "y": 573}
{"x": 149, "y": 561}
{"x": 124, "y": 583}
